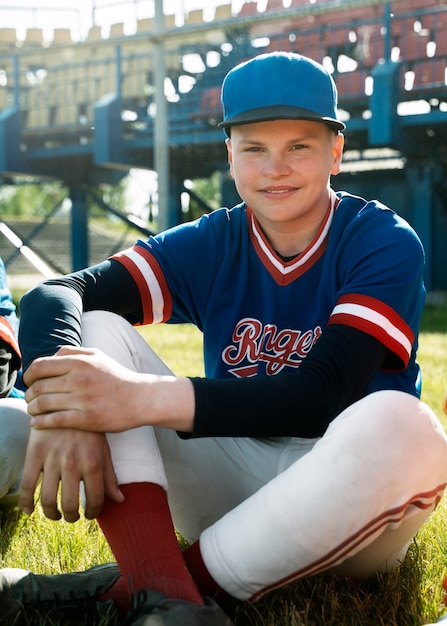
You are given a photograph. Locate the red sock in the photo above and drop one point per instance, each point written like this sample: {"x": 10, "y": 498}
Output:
{"x": 203, "y": 579}
{"x": 119, "y": 593}
{"x": 141, "y": 535}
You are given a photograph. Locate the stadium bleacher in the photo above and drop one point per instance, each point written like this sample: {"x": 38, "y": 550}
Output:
{"x": 352, "y": 41}
{"x": 56, "y": 89}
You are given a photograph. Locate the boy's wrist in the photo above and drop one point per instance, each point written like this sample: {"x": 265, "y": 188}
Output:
{"x": 172, "y": 403}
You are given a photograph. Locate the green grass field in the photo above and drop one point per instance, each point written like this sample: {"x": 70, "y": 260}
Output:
{"x": 410, "y": 596}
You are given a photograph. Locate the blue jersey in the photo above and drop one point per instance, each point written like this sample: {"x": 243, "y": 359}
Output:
{"x": 261, "y": 315}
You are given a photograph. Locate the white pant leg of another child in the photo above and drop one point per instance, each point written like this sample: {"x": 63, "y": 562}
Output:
{"x": 352, "y": 504}
{"x": 135, "y": 453}
{"x": 14, "y": 433}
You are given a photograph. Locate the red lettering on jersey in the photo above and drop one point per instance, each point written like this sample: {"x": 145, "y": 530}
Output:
{"x": 254, "y": 343}
{"x": 245, "y": 336}
{"x": 245, "y": 372}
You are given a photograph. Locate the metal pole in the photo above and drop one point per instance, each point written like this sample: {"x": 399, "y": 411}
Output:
{"x": 387, "y": 26}
{"x": 16, "y": 72}
{"x": 119, "y": 71}
{"x": 79, "y": 227}
{"x": 93, "y": 11}
{"x": 161, "y": 138}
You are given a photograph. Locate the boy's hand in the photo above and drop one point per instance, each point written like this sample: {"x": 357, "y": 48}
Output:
{"x": 83, "y": 389}
{"x": 66, "y": 458}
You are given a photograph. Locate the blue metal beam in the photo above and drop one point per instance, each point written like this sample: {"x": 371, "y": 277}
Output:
{"x": 79, "y": 227}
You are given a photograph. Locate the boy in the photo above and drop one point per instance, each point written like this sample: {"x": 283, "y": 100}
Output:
{"x": 306, "y": 447}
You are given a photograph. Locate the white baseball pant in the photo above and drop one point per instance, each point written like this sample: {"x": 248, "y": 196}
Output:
{"x": 269, "y": 511}
{"x": 14, "y": 433}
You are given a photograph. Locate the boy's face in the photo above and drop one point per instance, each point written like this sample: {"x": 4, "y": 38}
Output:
{"x": 282, "y": 171}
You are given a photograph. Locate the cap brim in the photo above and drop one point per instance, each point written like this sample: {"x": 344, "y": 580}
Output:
{"x": 280, "y": 112}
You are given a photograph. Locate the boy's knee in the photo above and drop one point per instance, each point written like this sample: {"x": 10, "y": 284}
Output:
{"x": 396, "y": 414}
{"x": 410, "y": 433}
{"x": 393, "y": 428}
{"x": 406, "y": 415}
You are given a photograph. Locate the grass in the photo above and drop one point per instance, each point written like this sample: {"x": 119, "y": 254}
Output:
{"x": 409, "y": 596}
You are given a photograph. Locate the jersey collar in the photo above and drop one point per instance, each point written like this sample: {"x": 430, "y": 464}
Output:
{"x": 285, "y": 272}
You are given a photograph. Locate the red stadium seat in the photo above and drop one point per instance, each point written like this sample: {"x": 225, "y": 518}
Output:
{"x": 249, "y": 8}
{"x": 280, "y": 43}
{"x": 210, "y": 105}
{"x": 309, "y": 45}
{"x": 413, "y": 5}
{"x": 274, "y": 5}
{"x": 351, "y": 85}
{"x": 413, "y": 46}
{"x": 430, "y": 74}
{"x": 440, "y": 37}
{"x": 370, "y": 46}
{"x": 367, "y": 12}
{"x": 336, "y": 36}
{"x": 402, "y": 26}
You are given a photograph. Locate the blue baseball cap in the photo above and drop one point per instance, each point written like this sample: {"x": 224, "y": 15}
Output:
{"x": 279, "y": 85}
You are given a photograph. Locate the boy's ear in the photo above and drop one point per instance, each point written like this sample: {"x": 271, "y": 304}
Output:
{"x": 230, "y": 154}
{"x": 337, "y": 151}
